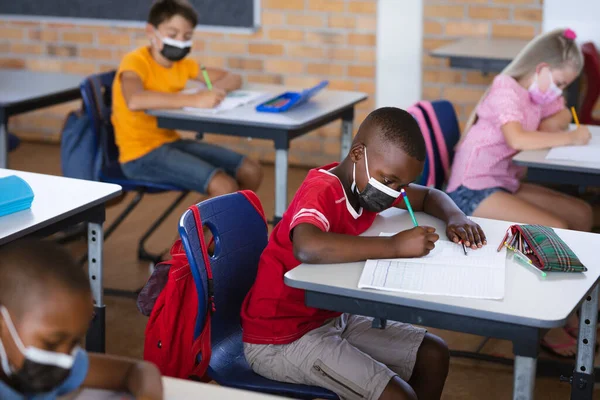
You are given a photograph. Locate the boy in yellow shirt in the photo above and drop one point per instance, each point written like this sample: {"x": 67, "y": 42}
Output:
{"x": 152, "y": 77}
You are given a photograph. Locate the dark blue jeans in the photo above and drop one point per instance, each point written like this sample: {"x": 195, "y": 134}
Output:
{"x": 188, "y": 164}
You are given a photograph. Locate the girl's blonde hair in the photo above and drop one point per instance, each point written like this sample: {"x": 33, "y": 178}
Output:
{"x": 557, "y": 48}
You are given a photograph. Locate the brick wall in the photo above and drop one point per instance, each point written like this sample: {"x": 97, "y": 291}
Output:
{"x": 448, "y": 20}
{"x": 301, "y": 42}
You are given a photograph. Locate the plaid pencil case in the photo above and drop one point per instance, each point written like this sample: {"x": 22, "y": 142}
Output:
{"x": 543, "y": 247}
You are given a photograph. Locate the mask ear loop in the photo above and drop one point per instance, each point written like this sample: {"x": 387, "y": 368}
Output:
{"x": 13, "y": 331}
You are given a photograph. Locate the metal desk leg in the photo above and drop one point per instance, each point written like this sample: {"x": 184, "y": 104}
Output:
{"x": 95, "y": 340}
{"x": 524, "y": 378}
{"x": 347, "y": 129}
{"x": 281, "y": 175}
{"x": 3, "y": 139}
{"x": 582, "y": 386}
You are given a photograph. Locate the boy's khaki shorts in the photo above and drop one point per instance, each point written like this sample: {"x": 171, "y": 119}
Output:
{"x": 346, "y": 356}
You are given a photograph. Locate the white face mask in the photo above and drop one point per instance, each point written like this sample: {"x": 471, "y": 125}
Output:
{"x": 376, "y": 196}
{"x": 42, "y": 370}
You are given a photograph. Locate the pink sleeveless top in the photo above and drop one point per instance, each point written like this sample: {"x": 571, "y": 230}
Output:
{"x": 484, "y": 159}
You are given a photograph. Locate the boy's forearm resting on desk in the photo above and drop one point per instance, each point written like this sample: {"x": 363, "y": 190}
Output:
{"x": 139, "y": 378}
{"x": 557, "y": 122}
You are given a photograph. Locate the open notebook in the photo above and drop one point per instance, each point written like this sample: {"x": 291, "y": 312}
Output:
{"x": 588, "y": 153}
{"x": 234, "y": 99}
{"x": 445, "y": 271}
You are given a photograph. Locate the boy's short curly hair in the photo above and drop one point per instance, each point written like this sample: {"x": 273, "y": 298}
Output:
{"x": 163, "y": 10}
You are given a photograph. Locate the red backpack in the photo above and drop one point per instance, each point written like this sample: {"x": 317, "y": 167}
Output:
{"x": 171, "y": 300}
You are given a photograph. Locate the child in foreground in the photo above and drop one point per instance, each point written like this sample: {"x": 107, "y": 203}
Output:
{"x": 45, "y": 312}
{"x": 524, "y": 110}
{"x": 287, "y": 341}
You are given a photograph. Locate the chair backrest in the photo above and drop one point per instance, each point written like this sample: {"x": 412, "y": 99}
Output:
{"x": 96, "y": 92}
{"x": 591, "y": 69}
{"x": 239, "y": 228}
{"x": 448, "y": 121}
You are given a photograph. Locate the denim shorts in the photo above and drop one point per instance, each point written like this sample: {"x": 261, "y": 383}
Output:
{"x": 469, "y": 199}
{"x": 189, "y": 164}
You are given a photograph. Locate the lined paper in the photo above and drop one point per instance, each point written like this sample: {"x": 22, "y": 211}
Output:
{"x": 445, "y": 271}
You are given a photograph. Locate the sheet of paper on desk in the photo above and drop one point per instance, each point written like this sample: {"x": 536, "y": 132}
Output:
{"x": 588, "y": 153}
{"x": 445, "y": 271}
{"x": 95, "y": 394}
{"x": 234, "y": 99}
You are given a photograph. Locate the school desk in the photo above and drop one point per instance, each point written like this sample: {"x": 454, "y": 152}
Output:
{"x": 281, "y": 128}
{"x": 178, "y": 389}
{"x": 539, "y": 169}
{"x": 59, "y": 203}
{"x": 530, "y": 305}
{"x": 22, "y": 91}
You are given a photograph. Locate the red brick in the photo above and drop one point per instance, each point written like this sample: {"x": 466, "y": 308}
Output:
{"x": 25, "y": 48}
{"x": 340, "y": 84}
{"x": 513, "y": 31}
{"x": 228, "y": 47}
{"x": 362, "y": 7}
{"x": 283, "y": 4}
{"x": 361, "y": 71}
{"x": 366, "y": 87}
{"x": 356, "y": 39}
{"x": 11, "y": 33}
{"x": 325, "y": 69}
{"x": 264, "y": 78}
{"x": 528, "y": 14}
{"x": 291, "y": 35}
{"x": 61, "y": 51}
{"x": 366, "y": 55}
{"x": 442, "y": 11}
{"x": 43, "y": 35}
{"x": 270, "y": 18}
{"x": 366, "y": 24}
{"x": 432, "y": 28}
{"x": 114, "y": 39}
{"x": 315, "y": 21}
{"x": 266, "y": 49}
{"x": 301, "y": 81}
{"x": 95, "y": 54}
{"x": 12, "y": 63}
{"x": 326, "y": 5}
{"x": 325, "y": 37}
{"x": 45, "y": 64}
{"x": 443, "y": 76}
{"x": 211, "y": 61}
{"x": 83, "y": 68}
{"x": 491, "y": 13}
{"x": 340, "y": 21}
{"x": 477, "y": 78}
{"x": 283, "y": 66}
{"x": 432, "y": 93}
{"x": 339, "y": 54}
{"x": 78, "y": 37}
{"x": 302, "y": 51}
{"x": 455, "y": 28}
{"x": 463, "y": 95}
{"x": 245, "y": 63}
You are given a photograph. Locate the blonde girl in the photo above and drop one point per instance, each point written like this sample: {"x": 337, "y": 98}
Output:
{"x": 523, "y": 110}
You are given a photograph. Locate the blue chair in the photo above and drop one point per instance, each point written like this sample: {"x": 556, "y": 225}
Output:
{"x": 240, "y": 236}
{"x": 96, "y": 92}
{"x": 13, "y": 142}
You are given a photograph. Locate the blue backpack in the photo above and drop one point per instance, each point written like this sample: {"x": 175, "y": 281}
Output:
{"x": 80, "y": 157}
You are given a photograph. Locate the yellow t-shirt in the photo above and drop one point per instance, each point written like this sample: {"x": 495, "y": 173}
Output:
{"x": 136, "y": 132}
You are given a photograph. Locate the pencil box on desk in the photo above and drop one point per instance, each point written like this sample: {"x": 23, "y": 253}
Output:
{"x": 548, "y": 251}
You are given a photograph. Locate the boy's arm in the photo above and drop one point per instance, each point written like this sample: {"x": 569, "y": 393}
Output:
{"x": 314, "y": 246}
{"x": 222, "y": 79}
{"x": 139, "y": 378}
{"x": 438, "y": 204}
{"x": 138, "y": 98}
{"x": 556, "y": 122}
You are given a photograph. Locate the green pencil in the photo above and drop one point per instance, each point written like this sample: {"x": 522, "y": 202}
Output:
{"x": 206, "y": 78}
{"x": 409, "y": 207}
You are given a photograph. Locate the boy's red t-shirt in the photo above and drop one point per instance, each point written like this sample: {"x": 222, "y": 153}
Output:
{"x": 274, "y": 313}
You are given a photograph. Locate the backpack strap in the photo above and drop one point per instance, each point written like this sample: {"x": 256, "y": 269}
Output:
{"x": 439, "y": 136}
{"x": 418, "y": 115}
{"x": 202, "y": 345}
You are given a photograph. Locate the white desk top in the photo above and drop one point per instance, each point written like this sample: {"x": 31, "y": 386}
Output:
{"x": 55, "y": 198}
{"x": 493, "y": 49}
{"x": 177, "y": 389}
{"x": 323, "y": 104}
{"x": 537, "y": 158}
{"x": 21, "y": 85}
{"x": 529, "y": 299}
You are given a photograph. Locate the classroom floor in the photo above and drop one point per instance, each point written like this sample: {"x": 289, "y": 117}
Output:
{"x": 125, "y": 325}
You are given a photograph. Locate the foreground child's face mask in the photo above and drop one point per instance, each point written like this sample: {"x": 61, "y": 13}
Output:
{"x": 42, "y": 370}
{"x": 174, "y": 50}
{"x": 376, "y": 196}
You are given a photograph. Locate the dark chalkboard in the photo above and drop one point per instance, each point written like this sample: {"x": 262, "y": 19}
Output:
{"x": 223, "y": 13}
